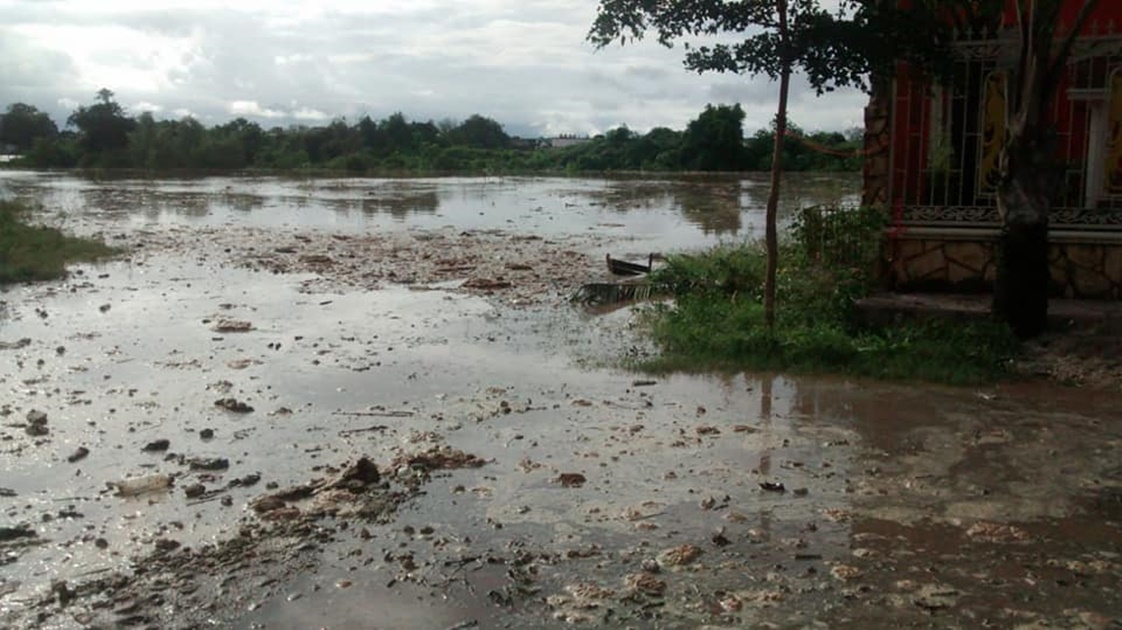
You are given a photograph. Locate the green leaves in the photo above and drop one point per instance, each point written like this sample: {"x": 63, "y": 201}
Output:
{"x": 819, "y": 44}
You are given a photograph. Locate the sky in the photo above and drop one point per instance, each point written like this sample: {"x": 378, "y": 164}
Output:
{"x": 524, "y": 63}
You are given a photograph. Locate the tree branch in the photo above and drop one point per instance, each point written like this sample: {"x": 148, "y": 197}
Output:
{"x": 1068, "y": 42}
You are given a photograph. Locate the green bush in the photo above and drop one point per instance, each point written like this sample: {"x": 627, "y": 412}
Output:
{"x": 716, "y": 320}
{"x": 29, "y": 252}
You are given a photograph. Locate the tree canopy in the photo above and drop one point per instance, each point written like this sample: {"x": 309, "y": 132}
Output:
{"x": 22, "y": 125}
{"x": 713, "y": 141}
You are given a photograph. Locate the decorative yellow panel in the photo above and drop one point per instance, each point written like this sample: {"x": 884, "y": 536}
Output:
{"x": 993, "y": 132}
{"x": 1113, "y": 166}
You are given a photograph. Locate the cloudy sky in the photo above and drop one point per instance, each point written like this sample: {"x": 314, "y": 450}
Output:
{"x": 524, "y": 63}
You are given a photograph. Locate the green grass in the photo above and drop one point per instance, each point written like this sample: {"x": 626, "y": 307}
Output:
{"x": 31, "y": 252}
{"x": 716, "y": 322}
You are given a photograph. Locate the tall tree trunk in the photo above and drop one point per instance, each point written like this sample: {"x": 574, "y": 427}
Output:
{"x": 1020, "y": 296}
{"x": 771, "y": 234}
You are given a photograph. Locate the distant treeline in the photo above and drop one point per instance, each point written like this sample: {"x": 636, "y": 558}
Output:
{"x": 102, "y": 135}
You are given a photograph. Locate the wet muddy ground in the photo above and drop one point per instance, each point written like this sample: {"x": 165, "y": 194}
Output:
{"x": 294, "y": 414}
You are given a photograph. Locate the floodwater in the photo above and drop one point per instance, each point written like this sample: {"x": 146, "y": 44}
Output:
{"x": 390, "y": 317}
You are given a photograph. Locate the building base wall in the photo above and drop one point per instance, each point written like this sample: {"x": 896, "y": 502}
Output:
{"x": 1082, "y": 266}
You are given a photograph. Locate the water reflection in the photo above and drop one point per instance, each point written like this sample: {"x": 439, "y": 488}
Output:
{"x": 403, "y": 204}
{"x": 670, "y": 213}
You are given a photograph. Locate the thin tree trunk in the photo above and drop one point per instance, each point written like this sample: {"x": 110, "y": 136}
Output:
{"x": 771, "y": 235}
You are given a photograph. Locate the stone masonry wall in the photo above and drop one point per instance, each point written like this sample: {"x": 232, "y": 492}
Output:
{"x": 1079, "y": 270}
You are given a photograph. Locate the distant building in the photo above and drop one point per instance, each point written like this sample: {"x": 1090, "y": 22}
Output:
{"x": 525, "y": 144}
{"x": 566, "y": 140}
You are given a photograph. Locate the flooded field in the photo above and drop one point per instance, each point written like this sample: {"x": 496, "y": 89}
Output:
{"x": 369, "y": 403}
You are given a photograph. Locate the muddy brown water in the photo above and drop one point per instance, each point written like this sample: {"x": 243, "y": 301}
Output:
{"x": 901, "y": 504}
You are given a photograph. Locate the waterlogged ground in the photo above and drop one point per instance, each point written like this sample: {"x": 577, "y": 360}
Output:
{"x": 369, "y": 403}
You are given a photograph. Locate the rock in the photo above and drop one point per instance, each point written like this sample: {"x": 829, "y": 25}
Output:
{"x": 707, "y": 430}
{"x": 36, "y": 418}
{"x": 78, "y": 454}
{"x": 645, "y": 583}
{"x": 157, "y": 446}
{"x": 570, "y": 480}
{"x": 772, "y": 486}
{"x": 194, "y": 490}
{"x": 206, "y": 434}
{"x": 209, "y": 463}
{"x": 233, "y": 404}
{"x": 101, "y": 543}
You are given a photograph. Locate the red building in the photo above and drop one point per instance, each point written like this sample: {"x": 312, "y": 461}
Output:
{"x": 933, "y": 161}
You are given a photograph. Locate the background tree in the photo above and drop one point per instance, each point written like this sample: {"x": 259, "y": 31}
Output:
{"x": 714, "y": 141}
{"x": 103, "y": 127}
{"x": 776, "y": 38}
{"x": 23, "y": 124}
{"x": 479, "y": 132}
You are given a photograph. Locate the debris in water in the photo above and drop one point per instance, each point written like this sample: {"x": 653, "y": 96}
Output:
{"x": 12, "y": 533}
{"x": 233, "y": 404}
{"x": 224, "y": 325}
{"x": 79, "y": 454}
{"x": 681, "y": 555}
{"x": 209, "y": 463}
{"x": 570, "y": 480}
{"x": 844, "y": 572}
{"x": 157, "y": 446}
{"x": 141, "y": 485}
{"x": 15, "y": 345}
{"x": 438, "y": 458}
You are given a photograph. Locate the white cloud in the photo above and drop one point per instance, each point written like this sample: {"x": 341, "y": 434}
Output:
{"x": 308, "y": 114}
{"x": 524, "y": 63}
{"x": 252, "y": 108}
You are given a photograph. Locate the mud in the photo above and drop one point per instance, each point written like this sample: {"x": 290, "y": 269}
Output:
{"x": 418, "y": 430}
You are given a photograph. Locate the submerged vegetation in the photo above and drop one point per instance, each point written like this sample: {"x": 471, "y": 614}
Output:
{"x": 32, "y": 252}
{"x": 104, "y": 136}
{"x": 716, "y": 320}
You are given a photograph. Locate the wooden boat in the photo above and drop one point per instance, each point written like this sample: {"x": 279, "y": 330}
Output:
{"x": 624, "y": 268}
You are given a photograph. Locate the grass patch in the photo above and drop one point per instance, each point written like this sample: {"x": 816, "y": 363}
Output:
{"x": 32, "y": 252}
{"x": 716, "y": 320}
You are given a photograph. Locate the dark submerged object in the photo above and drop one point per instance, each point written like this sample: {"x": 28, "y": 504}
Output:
{"x": 624, "y": 268}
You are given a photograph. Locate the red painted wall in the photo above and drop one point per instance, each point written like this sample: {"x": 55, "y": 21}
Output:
{"x": 911, "y": 124}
